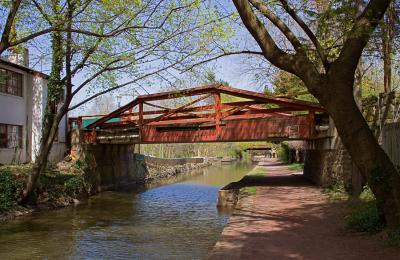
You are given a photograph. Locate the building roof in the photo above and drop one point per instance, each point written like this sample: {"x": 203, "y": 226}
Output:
{"x": 26, "y": 69}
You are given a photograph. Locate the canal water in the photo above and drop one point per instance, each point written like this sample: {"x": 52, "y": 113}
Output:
{"x": 171, "y": 221}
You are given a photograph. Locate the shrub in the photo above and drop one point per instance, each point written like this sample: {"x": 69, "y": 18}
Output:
{"x": 10, "y": 189}
{"x": 336, "y": 192}
{"x": 74, "y": 186}
{"x": 393, "y": 238}
{"x": 365, "y": 218}
{"x": 367, "y": 195}
{"x": 283, "y": 152}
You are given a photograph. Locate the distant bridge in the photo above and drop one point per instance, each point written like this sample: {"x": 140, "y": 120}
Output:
{"x": 204, "y": 117}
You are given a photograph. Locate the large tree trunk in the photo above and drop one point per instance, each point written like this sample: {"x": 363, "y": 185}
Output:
{"x": 364, "y": 149}
{"x": 41, "y": 161}
{"x": 334, "y": 89}
{"x": 53, "y": 116}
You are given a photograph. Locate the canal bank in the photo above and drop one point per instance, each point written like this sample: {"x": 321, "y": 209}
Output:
{"x": 280, "y": 215}
{"x": 174, "y": 221}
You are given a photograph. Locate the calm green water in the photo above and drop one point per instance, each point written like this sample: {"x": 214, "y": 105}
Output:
{"x": 173, "y": 221}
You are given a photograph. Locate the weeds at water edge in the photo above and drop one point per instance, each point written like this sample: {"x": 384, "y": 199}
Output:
{"x": 251, "y": 190}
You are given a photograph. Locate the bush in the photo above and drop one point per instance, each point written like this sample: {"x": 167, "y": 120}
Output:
{"x": 283, "y": 152}
{"x": 10, "y": 189}
{"x": 336, "y": 192}
{"x": 393, "y": 238}
{"x": 74, "y": 186}
{"x": 365, "y": 218}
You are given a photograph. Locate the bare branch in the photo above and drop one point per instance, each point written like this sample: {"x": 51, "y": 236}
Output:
{"x": 359, "y": 35}
{"x": 270, "y": 50}
{"x": 5, "y": 37}
{"x": 308, "y": 31}
{"x": 220, "y": 56}
{"x": 279, "y": 24}
{"x": 126, "y": 84}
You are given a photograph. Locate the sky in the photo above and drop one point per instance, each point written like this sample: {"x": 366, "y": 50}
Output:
{"x": 229, "y": 69}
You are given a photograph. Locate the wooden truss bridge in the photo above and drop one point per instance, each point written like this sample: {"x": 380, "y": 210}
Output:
{"x": 202, "y": 114}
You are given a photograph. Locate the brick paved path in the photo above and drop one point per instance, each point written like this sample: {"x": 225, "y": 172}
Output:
{"x": 288, "y": 218}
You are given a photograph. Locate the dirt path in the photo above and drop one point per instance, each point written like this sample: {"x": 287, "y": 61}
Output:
{"x": 288, "y": 218}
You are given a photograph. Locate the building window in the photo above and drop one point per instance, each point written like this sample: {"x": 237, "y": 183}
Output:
{"x": 10, "y": 82}
{"x": 10, "y": 136}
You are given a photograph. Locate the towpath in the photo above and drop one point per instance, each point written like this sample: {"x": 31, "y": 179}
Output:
{"x": 287, "y": 218}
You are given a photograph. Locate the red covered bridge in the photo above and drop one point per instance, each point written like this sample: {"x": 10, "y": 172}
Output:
{"x": 200, "y": 115}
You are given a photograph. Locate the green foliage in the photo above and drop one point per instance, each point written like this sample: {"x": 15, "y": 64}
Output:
{"x": 10, "y": 188}
{"x": 283, "y": 152}
{"x": 296, "y": 167}
{"x": 364, "y": 217}
{"x": 367, "y": 195}
{"x": 289, "y": 85}
{"x": 236, "y": 153}
{"x": 336, "y": 192}
{"x": 248, "y": 190}
{"x": 74, "y": 186}
{"x": 393, "y": 238}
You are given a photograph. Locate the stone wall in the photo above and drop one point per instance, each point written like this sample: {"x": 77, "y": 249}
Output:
{"x": 113, "y": 166}
{"x": 327, "y": 163}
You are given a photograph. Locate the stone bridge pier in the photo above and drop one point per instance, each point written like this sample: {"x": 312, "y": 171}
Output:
{"x": 112, "y": 166}
{"x": 109, "y": 166}
{"x": 327, "y": 163}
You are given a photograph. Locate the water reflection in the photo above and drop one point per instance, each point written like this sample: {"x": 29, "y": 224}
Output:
{"x": 175, "y": 221}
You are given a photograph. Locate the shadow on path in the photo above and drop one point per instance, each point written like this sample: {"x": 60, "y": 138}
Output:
{"x": 288, "y": 218}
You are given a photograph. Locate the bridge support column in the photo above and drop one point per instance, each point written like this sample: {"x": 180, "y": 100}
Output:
{"x": 109, "y": 166}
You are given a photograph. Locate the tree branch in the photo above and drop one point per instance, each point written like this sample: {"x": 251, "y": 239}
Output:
{"x": 279, "y": 24}
{"x": 126, "y": 84}
{"x": 220, "y": 56}
{"x": 5, "y": 37}
{"x": 308, "y": 32}
{"x": 359, "y": 35}
{"x": 270, "y": 50}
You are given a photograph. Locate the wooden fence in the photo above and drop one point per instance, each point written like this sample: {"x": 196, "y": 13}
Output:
{"x": 391, "y": 142}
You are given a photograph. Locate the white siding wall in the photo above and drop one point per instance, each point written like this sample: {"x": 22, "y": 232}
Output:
{"x": 28, "y": 111}
{"x": 13, "y": 112}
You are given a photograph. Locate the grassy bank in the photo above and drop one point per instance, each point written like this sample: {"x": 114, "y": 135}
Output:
{"x": 60, "y": 186}
{"x": 362, "y": 214}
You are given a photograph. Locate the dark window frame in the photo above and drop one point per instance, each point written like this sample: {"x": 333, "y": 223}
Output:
{"x": 11, "y": 82}
{"x": 4, "y": 140}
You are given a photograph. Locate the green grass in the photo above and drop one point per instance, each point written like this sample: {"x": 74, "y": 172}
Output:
{"x": 251, "y": 190}
{"x": 362, "y": 212}
{"x": 258, "y": 171}
{"x": 336, "y": 192}
{"x": 295, "y": 167}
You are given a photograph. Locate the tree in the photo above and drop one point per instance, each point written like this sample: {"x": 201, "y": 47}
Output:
{"x": 289, "y": 85}
{"x": 102, "y": 105}
{"x": 110, "y": 40}
{"x": 331, "y": 81}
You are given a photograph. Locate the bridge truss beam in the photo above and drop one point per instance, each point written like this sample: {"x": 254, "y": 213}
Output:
{"x": 200, "y": 115}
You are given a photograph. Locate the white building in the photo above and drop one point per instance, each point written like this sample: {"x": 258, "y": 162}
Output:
{"x": 23, "y": 94}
